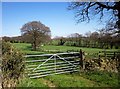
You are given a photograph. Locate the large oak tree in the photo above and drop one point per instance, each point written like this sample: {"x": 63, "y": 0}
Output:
{"x": 35, "y": 32}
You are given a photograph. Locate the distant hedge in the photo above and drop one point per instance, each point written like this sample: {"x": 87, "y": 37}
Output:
{"x": 12, "y": 65}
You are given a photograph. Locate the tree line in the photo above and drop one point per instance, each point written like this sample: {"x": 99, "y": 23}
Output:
{"x": 96, "y": 39}
{"x": 36, "y": 33}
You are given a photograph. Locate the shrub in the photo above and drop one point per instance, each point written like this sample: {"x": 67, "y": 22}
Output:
{"x": 12, "y": 65}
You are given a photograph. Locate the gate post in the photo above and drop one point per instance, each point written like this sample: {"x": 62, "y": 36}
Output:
{"x": 82, "y": 59}
{"x": 114, "y": 57}
{"x": 99, "y": 59}
{"x": 55, "y": 62}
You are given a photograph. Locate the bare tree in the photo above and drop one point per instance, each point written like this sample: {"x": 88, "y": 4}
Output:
{"x": 75, "y": 38}
{"x": 35, "y": 33}
{"x": 94, "y": 38}
{"x": 85, "y": 11}
{"x": 110, "y": 34}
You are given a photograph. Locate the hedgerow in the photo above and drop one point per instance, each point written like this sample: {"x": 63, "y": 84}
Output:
{"x": 12, "y": 65}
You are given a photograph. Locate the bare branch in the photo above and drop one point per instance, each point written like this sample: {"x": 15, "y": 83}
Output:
{"x": 105, "y": 6}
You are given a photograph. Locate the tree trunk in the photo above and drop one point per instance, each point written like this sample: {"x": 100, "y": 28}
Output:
{"x": 34, "y": 46}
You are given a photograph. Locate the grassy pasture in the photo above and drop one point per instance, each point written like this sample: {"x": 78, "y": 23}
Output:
{"x": 92, "y": 79}
{"x": 71, "y": 80}
{"x": 27, "y": 82}
{"x": 26, "y": 48}
{"x": 89, "y": 79}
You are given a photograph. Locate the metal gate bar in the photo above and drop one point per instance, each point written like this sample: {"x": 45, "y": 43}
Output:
{"x": 44, "y": 69}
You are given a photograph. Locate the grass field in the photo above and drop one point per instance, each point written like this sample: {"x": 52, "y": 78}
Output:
{"x": 92, "y": 79}
{"x": 26, "y": 48}
{"x": 88, "y": 79}
{"x": 71, "y": 80}
{"x": 27, "y": 82}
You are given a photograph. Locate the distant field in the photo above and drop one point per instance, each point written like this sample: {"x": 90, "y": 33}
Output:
{"x": 26, "y": 48}
{"x": 65, "y": 48}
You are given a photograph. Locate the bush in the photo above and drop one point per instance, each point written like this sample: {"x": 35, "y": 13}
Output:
{"x": 12, "y": 65}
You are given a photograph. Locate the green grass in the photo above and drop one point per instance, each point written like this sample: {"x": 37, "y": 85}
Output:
{"x": 69, "y": 81}
{"x": 65, "y": 48}
{"x": 22, "y": 46}
{"x": 26, "y": 48}
{"x": 72, "y": 80}
{"x": 27, "y": 82}
{"x": 88, "y": 79}
{"x": 102, "y": 77}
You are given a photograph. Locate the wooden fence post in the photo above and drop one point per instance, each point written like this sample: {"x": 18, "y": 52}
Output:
{"x": 83, "y": 60}
{"x": 55, "y": 62}
{"x": 114, "y": 56}
{"x": 105, "y": 54}
{"x": 82, "y": 57}
{"x": 99, "y": 59}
